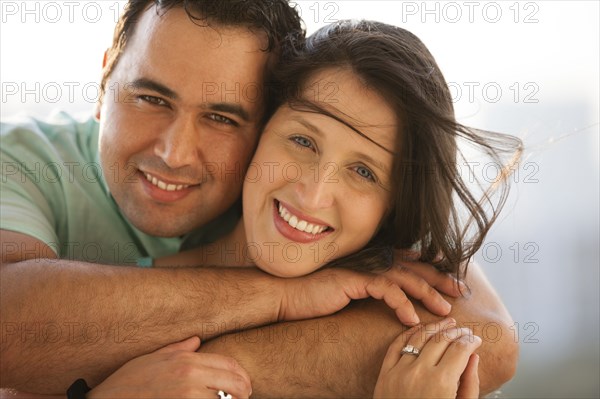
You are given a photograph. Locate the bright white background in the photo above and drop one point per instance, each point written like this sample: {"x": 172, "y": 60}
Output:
{"x": 533, "y": 67}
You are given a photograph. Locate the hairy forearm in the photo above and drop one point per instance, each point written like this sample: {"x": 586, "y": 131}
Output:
{"x": 340, "y": 355}
{"x": 64, "y": 320}
{"x": 323, "y": 357}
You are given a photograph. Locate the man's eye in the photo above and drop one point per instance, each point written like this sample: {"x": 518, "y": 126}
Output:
{"x": 222, "y": 119}
{"x": 365, "y": 173}
{"x": 153, "y": 100}
{"x": 302, "y": 141}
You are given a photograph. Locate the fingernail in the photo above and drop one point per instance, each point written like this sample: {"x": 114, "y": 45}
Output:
{"x": 447, "y": 306}
{"x": 466, "y": 330}
{"x": 449, "y": 321}
{"x": 415, "y": 318}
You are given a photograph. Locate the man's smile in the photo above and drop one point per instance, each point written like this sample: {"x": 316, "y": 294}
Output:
{"x": 164, "y": 185}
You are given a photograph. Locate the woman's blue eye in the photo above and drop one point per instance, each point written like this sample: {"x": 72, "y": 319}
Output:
{"x": 303, "y": 141}
{"x": 365, "y": 173}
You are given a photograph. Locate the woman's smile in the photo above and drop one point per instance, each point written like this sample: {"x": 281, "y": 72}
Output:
{"x": 296, "y": 226}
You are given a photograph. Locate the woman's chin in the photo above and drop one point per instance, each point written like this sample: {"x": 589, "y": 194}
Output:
{"x": 288, "y": 271}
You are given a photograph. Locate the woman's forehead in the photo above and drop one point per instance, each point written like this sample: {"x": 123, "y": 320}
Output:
{"x": 340, "y": 94}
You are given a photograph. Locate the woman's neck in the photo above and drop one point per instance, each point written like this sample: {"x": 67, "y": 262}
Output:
{"x": 231, "y": 250}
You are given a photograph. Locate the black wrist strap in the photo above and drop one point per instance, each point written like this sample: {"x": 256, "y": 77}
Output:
{"x": 78, "y": 389}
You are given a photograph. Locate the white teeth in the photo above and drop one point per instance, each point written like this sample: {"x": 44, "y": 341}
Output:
{"x": 302, "y": 225}
{"x": 299, "y": 224}
{"x": 164, "y": 186}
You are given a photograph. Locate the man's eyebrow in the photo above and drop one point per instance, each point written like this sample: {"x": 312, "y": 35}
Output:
{"x": 230, "y": 108}
{"x": 149, "y": 84}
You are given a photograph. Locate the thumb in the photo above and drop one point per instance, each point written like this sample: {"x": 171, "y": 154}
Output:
{"x": 469, "y": 381}
{"x": 190, "y": 344}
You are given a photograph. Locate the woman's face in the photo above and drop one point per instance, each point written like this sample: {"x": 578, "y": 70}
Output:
{"x": 317, "y": 190}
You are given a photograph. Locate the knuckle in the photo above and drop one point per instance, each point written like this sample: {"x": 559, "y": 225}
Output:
{"x": 231, "y": 363}
{"x": 405, "y": 303}
{"x": 386, "y": 282}
{"x": 183, "y": 370}
{"x": 450, "y": 334}
{"x": 240, "y": 384}
{"x": 462, "y": 343}
{"x": 181, "y": 356}
{"x": 429, "y": 290}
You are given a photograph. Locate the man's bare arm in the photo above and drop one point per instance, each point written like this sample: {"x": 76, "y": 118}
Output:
{"x": 71, "y": 320}
{"x": 63, "y": 320}
{"x": 341, "y": 355}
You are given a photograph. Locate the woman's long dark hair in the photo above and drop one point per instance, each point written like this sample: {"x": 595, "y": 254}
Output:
{"x": 433, "y": 211}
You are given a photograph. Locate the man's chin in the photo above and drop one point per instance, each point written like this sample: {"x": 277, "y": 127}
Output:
{"x": 161, "y": 225}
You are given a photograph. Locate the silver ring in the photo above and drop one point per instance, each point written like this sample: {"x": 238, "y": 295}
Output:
{"x": 410, "y": 350}
{"x": 224, "y": 395}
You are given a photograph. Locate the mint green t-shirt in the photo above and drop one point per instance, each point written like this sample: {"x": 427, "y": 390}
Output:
{"x": 52, "y": 189}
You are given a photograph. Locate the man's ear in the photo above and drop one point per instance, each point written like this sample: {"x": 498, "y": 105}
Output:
{"x": 97, "y": 109}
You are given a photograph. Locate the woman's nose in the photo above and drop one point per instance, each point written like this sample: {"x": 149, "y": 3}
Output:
{"x": 317, "y": 187}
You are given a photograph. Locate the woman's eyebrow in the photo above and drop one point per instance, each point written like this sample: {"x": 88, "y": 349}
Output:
{"x": 370, "y": 160}
{"x": 360, "y": 155}
{"x": 321, "y": 111}
{"x": 307, "y": 124}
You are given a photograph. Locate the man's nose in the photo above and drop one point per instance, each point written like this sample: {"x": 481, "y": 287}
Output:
{"x": 178, "y": 145}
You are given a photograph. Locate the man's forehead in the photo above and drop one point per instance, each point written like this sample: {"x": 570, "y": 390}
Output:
{"x": 195, "y": 64}
{"x": 155, "y": 20}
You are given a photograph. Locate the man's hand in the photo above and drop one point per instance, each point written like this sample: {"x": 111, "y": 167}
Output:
{"x": 328, "y": 291}
{"x": 176, "y": 371}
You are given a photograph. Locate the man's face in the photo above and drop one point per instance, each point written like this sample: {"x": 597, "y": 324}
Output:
{"x": 179, "y": 121}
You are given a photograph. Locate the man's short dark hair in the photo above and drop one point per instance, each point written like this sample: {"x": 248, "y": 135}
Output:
{"x": 276, "y": 18}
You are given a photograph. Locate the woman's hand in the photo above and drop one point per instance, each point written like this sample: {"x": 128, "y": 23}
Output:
{"x": 327, "y": 291}
{"x": 445, "y": 366}
{"x": 445, "y": 283}
{"x": 176, "y": 371}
